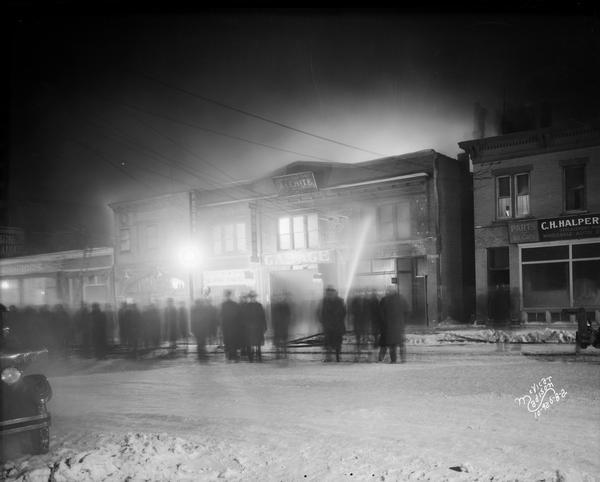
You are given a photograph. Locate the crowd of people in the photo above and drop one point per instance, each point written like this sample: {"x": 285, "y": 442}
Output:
{"x": 239, "y": 326}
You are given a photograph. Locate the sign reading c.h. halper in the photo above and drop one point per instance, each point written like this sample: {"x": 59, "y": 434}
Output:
{"x": 572, "y": 227}
{"x": 297, "y": 183}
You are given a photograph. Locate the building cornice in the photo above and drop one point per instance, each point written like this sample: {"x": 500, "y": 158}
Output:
{"x": 528, "y": 143}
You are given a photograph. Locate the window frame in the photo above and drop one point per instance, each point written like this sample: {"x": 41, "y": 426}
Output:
{"x": 310, "y": 237}
{"x": 396, "y": 234}
{"x": 513, "y": 176}
{"x": 569, "y": 259}
{"x": 570, "y": 165}
{"x": 228, "y": 234}
{"x": 124, "y": 239}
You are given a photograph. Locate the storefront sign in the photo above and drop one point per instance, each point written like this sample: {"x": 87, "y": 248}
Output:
{"x": 296, "y": 183}
{"x": 523, "y": 232}
{"x": 229, "y": 277}
{"x": 573, "y": 227}
{"x": 299, "y": 257}
{"x": 552, "y": 229}
{"x": 17, "y": 269}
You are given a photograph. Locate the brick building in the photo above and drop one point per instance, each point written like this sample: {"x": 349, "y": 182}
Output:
{"x": 536, "y": 218}
{"x": 402, "y": 221}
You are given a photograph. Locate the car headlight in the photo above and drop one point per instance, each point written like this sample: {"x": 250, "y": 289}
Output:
{"x": 11, "y": 375}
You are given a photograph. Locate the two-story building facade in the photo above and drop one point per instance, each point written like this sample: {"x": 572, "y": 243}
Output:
{"x": 537, "y": 223}
{"x": 151, "y": 239}
{"x": 402, "y": 221}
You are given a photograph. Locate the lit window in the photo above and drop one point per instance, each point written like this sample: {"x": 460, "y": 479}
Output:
{"x": 512, "y": 196}
{"x": 299, "y": 232}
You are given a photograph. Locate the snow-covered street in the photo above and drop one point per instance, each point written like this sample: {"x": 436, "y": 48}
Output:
{"x": 450, "y": 413}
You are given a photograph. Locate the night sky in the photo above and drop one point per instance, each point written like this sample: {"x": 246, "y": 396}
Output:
{"x": 121, "y": 105}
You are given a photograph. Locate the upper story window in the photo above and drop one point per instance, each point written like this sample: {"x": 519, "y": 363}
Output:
{"x": 124, "y": 240}
{"x": 229, "y": 238}
{"x": 393, "y": 221}
{"x": 574, "y": 178}
{"x": 151, "y": 236}
{"x": 298, "y": 232}
{"x": 512, "y": 195}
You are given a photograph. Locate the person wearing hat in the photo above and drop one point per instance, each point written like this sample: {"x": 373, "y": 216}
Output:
{"x": 331, "y": 314}
{"x": 256, "y": 326}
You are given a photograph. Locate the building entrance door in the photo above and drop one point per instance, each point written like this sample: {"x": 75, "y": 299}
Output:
{"x": 498, "y": 285}
{"x": 305, "y": 289}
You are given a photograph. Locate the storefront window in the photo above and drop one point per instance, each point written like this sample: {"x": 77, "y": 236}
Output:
{"x": 546, "y": 284}
{"x": 561, "y": 276}
{"x": 586, "y": 283}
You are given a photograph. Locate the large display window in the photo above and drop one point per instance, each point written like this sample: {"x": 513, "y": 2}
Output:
{"x": 561, "y": 275}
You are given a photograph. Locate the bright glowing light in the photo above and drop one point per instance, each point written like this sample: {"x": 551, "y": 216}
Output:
{"x": 188, "y": 255}
{"x": 5, "y": 285}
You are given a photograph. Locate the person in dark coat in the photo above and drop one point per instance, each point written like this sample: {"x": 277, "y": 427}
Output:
{"x": 183, "y": 323}
{"x": 256, "y": 326}
{"x": 203, "y": 317}
{"x": 60, "y": 329}
{"x": 98, "y": 318}
{"x": 136, "y": 329}
{"x": 331, "y": 314}
{"x": 151, "y": 318}
{"x": 373, "y": 316}
{"x": 358, "y": 316}
{"x": 281, "y": 315}
{"x": 394, "y": 309}
{"x": 230, "y": 326}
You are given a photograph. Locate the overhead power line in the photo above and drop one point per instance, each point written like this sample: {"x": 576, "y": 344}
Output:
{"x": 252, "y": 114}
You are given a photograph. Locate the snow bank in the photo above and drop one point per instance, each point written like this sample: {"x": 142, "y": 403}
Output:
{"x": 492, "y": 336}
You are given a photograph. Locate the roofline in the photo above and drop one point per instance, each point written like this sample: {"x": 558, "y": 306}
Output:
{"x": 377, "y": 181}
{"x": 58, "y": 255}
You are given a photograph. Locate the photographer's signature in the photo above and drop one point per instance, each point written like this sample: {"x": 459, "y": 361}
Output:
{"x": 542, "y": 395}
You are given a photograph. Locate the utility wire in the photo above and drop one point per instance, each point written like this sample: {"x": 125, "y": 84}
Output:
{"x": 219, "y": 133}
{"x": 251, "y": 114}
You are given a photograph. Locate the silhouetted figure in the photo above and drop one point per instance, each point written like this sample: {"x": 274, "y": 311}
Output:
{"x": 82, "y": 329}
{"x": 281, "y": 315}
{"x": 256, "y": 326}
{"x": 394, "y": 309}
{"x": 230, "y": 326}
{"x": 373, "y": 316}
{"x": 203, "y": 318}
{"x": 136, "y": 329}
{"x": 171, "y": 324}
{"x": 61, "y": 325}
{"x": 123, "y": 322}
{"x": 111, "y": 324}
{"x": 331, "y": 314}
{"x": 151, "y": 316}
{"x": 358, "y": 316}
{"x": 183, "y": 323}
{"x": 98, "y": 319}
